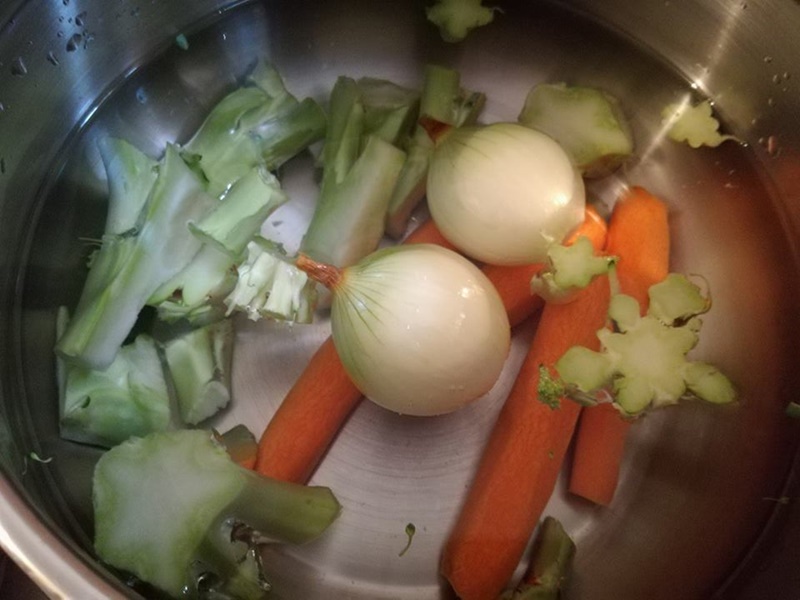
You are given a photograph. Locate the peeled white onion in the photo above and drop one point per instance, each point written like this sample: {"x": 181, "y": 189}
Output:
{"x": 502, "y": 193}
{"x": 419, "y": 329}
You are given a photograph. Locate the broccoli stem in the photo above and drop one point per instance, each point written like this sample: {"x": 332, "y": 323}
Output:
{"x": 172, "y": 506}
{"x": 551, "y": 562}
{"x": 444, "y": 101}
{"x": 128, "y": 269}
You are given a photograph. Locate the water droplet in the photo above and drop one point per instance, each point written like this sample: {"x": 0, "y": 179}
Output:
{"x": 224, "y": 36}
{"x": 135, "y": 12}
{"x": 2, "y": 107}
{"x": 66, "y": 2}
{"x": 51, "y": 58}
{"x": 767, "y": 59}
{"x": 74, "y": 42}
{"x": 79, "y": 19}
{"x": 786, "y": 75}
{"x": 18, "y": 67}
{"x": 776, "y": 78}
{"x": 182, "y": 42}
{"x": 2, "y": 166}
{"x": 60, "y": 34}
{"x": 770, "y": 101}
{"x": 141, "y": 96}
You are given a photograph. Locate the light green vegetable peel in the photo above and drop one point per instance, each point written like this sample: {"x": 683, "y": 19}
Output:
{"x": 456, "y": 18}
{"x": 693, "y": 124}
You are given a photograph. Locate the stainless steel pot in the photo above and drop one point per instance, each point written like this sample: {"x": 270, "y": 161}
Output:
{"x": 707, "y": 506}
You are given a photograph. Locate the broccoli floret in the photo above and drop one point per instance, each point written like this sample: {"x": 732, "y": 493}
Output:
{"x": 173, "y": 509}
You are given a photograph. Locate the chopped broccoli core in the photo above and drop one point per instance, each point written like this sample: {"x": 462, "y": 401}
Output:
{"x": 456, "y": 18}
{"x": 643, "y": 361}
{"x": 693, "y": 124}
{"x": 569, "y": 269}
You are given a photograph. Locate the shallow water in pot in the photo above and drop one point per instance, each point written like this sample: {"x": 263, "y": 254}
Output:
{"x": 698, "y": 483}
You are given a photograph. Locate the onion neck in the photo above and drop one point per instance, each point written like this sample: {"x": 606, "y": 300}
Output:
{"x": 328, "y": 275}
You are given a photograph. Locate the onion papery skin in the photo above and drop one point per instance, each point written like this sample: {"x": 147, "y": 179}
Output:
{"x": 419, "y": 329}
{"x": 502, "y": 193}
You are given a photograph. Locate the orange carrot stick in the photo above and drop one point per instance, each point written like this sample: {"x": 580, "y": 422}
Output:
{"x": 520, "y": 464}
{"x": 428, "y": 233}
{"x": 639, "y": 235}
{"x": 319, "y": 403}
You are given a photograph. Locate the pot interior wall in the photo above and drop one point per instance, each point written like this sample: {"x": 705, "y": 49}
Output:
{"x": 700, "y": 484}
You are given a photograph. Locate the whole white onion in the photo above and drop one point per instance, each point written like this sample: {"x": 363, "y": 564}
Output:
{"x": 502, "y": 193}
{"x": 419, "y": 329}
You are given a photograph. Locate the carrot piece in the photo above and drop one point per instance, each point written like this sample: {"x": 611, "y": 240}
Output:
{"x": 638, "y": 234}
{"x": 428, "y": 233}
{"x": 308, "y": 419}
{"x": 314, "y": 410}
{"x": 521, "y": 462}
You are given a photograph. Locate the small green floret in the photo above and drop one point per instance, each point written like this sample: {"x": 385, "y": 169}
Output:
{"x": 456, "y": 18}
{"x": 693, "y": 124}
{"x": 643, "y": 361}
{"x": 569, "y": 269}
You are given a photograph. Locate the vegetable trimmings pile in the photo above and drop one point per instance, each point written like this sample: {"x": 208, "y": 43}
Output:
{"x": 420, "y": 328}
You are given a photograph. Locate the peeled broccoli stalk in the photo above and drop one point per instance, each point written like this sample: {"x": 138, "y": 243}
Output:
{"x": 131, "y": 175}
{"x": 199, "y": 364}
{"x": 456, "y": 18}
{"x": 569, "y": 269}
{"x": 241, "y": 213}
{"x": 174, "y": 510}
{"x": 196, "y": 294}
{"x": 551, "y": 564}
{"x": 643, "y": 363}
{"x": 359, "y": 172}
{"x": 270, "y": 285}
{"x": 261, "y": 124}
{"x": 693, "y": 124}
{"x": 128, "y": 269}
{"x": 104, "y": 408}
{"x": 588, "y": 123}
{"x": 390, "y": 110}
{"x": 445, "y": 101}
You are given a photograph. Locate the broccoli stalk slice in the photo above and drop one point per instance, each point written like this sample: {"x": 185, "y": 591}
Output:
{"x": 643, "y": 361}
{"x": 568, "y": 270}
{"x": 270, "y": 285}
{"x": 173, "y": 509}
{"x": 446, "y": 102}
{"x": 240, "y": 443}
{"x": 390, "y": 110}
{"x": 259, "y": 124}
{"x": 131, "y": 175}
{"x": 552, "y": 556}
{"x": 199, "y": 363}
{"x": 241, "y": 213}
{"x": 196, "y": 294}
{"x": 129, "y": 268}
{"x": 456, "y": 18}
{"x": 348, "y": 222}
{"x": 693, "y": 124}
{"x": 104, "y": 408}
{"x": 588, "y": 123}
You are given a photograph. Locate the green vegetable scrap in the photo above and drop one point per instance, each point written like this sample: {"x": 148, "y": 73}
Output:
{"x": 456, "y": 18}
{"x": 445, "y": 101}
{"x": 175, "y": 511}
{"x": 551, "y": 564}
{"x": 643, "y": 361}
{"x": 270, "y": 285}
{"x": 587, "y": 122}
{"x": 199, "y": 363}
{"x": 568, "y": 270}
{"x": 106, "y": 407}
{"x": 259, "y": 124}
{"x": 411, "y": 530}
{"x": 359, "y": 169}
{"x": 693, "y": 124}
